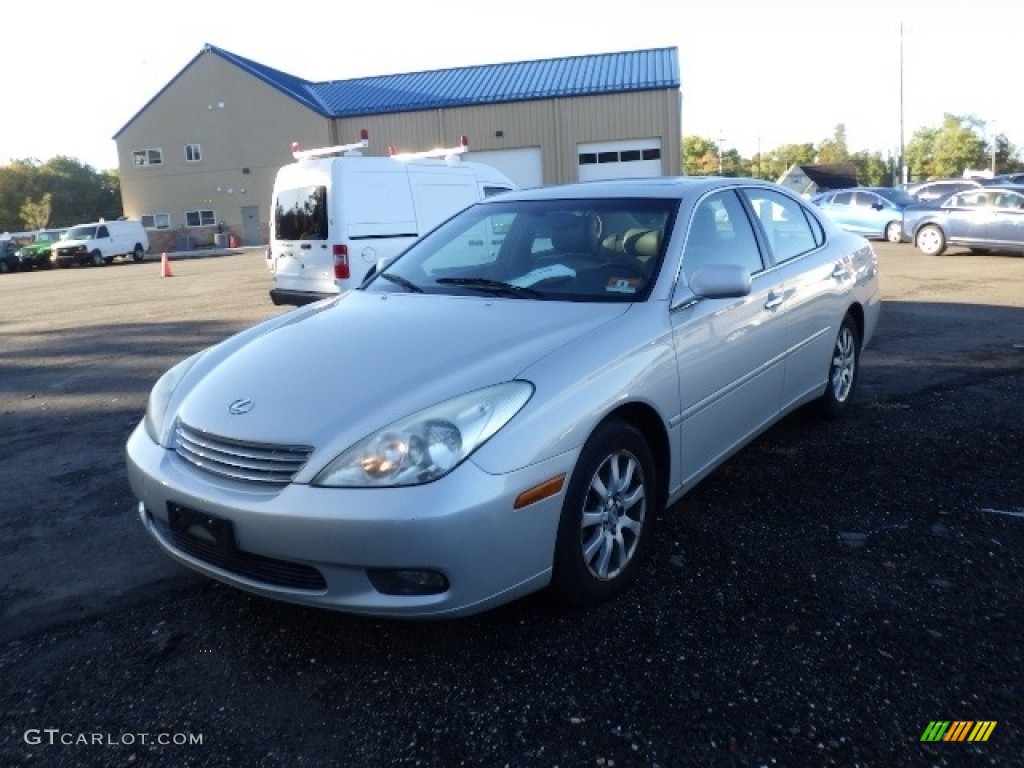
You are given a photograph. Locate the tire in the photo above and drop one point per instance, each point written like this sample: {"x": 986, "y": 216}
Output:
{"x": 605, "y": 527}
{"x": 930, "y": 240}
{"x": 843, "y": 368}
{"x": 4, "y": 267}
{"x": 139, "y": 253}
{"x": 96, "y": 259}
{"x": 894, "y": 232}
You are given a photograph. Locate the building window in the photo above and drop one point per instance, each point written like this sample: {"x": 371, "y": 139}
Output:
{"x": 652, "y": 154}
{"x": 629, "y": 155}
{"x": 199, "y": 219}
{"x": 156, "y": 220}
{"x": 192, "y": 153}
{"x": 148, "y": 157}
{"x": 588, "y": 158}
{"x": 607, "y": 157}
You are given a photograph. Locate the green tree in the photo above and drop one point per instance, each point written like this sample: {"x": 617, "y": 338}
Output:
{"x": 700, "y": 156}
{"x": 36, "y": 215}
{"x": 835, "y": 150}
{"x": 72, "y": 191}
{"x": 872, "y": 169}
{"x": 949, "y": 150}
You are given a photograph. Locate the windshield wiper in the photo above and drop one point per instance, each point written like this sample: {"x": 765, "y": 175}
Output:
{"x": 492, "y": 286}
{"x": 409, "y": 285}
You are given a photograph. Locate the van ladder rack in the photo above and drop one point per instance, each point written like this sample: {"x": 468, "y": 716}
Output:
{"x": 447, "y": 154}
{"x": 340, "y": 149}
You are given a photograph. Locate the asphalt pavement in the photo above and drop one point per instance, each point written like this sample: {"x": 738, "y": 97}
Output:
{"x": 822, "y": 599}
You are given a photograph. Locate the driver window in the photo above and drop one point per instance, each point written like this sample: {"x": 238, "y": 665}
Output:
{"x": 720, "y": 233}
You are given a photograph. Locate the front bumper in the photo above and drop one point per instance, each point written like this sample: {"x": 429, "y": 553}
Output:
{"x": 463, "y": 526}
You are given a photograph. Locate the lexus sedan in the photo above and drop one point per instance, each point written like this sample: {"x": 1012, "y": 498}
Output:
{"x": 875, "y": 212}
{"x": 985, "y": 220}
{"x": 510, "y": 404}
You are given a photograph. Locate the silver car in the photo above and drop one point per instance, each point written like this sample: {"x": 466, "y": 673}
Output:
{"x": 510, "y": 404}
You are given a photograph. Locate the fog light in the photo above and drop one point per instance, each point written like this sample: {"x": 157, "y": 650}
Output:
{"x": 403, "y": 581}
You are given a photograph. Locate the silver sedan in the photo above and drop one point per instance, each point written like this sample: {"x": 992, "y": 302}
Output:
{"x": 509, "y": 405}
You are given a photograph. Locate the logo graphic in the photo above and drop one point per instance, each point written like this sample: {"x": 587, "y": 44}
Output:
{"x": 958, "y": 730}
{"x": 240, "y": 407}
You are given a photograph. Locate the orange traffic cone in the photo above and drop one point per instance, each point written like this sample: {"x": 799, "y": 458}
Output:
{"x": 165, "y": 266}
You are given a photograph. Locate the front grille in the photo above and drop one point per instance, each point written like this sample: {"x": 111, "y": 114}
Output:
{"x": 262, "y": 463}
{"x": 266, "y": 570}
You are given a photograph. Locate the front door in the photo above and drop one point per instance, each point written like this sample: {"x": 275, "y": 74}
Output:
{"x": 729, "y": 352}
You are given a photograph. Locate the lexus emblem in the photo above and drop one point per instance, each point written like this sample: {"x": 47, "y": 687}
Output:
{"x": 240, "y": 407}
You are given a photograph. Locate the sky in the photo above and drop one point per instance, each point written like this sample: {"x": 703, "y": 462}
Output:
{"x": 755, "y": 74}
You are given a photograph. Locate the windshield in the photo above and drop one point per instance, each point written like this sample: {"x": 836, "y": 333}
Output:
{"x": 81, "y": 233}
{"x": 48, "y": 237}
{"x": 571, "y": 250}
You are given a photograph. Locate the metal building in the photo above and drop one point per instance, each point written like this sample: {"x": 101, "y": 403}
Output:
{"x": 200, "y": 157}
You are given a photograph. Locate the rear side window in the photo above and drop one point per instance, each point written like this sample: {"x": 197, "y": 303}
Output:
{"x": 789, "y": 230}
{"x": 301, "y": 214}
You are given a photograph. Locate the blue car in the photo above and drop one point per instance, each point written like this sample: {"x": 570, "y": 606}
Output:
{"x": 874, "y": 212}
{"x": 984, "y": 220}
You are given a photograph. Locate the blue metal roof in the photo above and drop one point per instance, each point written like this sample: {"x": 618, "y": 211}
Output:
{"x": 500, "y": 83}
{"x": 464, "y": 86}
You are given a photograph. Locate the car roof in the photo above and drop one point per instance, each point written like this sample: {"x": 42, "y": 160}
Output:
{"x": 661, "y": 187}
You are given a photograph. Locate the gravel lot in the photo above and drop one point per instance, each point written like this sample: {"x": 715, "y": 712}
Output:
{"x": 817, "y": 601}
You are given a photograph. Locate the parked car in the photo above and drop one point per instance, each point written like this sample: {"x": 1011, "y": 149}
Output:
{"x": 984, "y": 220}
{"x": 875, "y": 212}
{"x": 939, "y": 189}
{"x": 471, "y": 425}
{"x": 9, "y": 261}
{"x": 1007, "y": 178}
{"x": 37, "y": 253}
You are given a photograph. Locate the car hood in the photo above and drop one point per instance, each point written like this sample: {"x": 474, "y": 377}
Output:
{"x": 365, "y": 360}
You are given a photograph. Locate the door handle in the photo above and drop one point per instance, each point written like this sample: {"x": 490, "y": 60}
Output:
{"x": 840, "y": 272}
{"x": 774, "y": 301}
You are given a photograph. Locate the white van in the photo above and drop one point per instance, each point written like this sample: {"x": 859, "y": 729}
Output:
{"x": 335, "y": 213}
{"x": 99, "y": 242}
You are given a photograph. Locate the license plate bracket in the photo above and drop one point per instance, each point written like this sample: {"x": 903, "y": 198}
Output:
{"x": 202, "y": 527}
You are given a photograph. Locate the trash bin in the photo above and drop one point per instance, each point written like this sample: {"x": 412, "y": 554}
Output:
{"x": 235, "y": 242}
{"x": 221, "y": 239}
{"x": 184, "y": 243}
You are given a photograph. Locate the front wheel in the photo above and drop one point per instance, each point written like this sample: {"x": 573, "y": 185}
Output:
{"x": 842, "y": 370}
{"x": 605, "y": 527}
{"x": 930, "y": 240}
{"x": 894, "y": 232}
{"x": 96, "y": 259}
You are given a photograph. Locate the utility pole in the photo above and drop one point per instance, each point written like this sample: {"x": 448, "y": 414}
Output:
{"x": 903, "y": 165}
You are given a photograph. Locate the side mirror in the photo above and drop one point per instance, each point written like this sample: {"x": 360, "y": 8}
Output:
{"x": 715, "y": 281}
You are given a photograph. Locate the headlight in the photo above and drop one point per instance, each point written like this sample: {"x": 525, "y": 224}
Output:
{"x": 428, "y": 445}
{"x": 156, "y": 408}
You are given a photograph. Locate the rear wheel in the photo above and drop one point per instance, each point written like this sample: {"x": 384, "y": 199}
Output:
{"x": 842, "y": 370}
{"x": 139, "y": 253}
{"x": 894, "y": 232}
{"x": 4, "y": 267}
{"x": 930, "y": 240}
{"x": 605, "y": 527}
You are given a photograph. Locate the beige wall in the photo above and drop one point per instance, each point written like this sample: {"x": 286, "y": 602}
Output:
{"x": 555, "y": 125}
{"x": 253, "y": 130}
{"x": 257, "y": 123}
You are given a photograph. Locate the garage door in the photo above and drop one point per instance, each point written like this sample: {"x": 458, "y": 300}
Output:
{"x": 522, "y": 165}
{"x": 635, "y": 158}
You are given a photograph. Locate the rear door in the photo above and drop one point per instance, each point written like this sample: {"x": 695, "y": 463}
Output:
{"x": 812, "y": 291}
